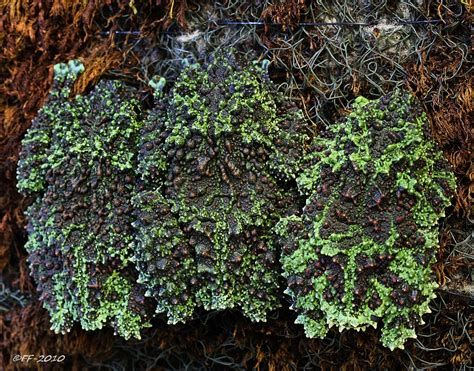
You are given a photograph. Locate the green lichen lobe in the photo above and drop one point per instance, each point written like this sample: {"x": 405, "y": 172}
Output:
{"x": 78, "y": 162}
{"x": 218, "y": 156}
{"x": 362, "y": 250}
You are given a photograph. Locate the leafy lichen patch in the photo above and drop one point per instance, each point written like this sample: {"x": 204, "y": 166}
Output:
{"x": 361, "y": 252}
{"x": 219, "y": 156}
{"x": 78, "y": 160}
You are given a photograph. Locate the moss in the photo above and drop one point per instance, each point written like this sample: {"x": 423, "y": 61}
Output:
{"x": 78, "y": 160}
{"x": 362, "y": 250}
{"x": 218, "y": 158}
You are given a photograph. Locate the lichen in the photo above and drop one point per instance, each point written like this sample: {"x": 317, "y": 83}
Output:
{"x": 189, "y": 204}
{"x": 78, "y": 162}
{"x": 218, "y": 159}
{"x": 361, "y": 251}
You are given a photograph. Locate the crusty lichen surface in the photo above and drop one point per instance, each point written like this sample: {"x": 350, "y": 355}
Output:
{"x": 77, "y": 163}
{"x": 218, "y": 157}
{"x": 360, "y": 254}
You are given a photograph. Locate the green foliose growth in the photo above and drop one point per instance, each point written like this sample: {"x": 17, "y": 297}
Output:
{"x": 219, "y": 157}
{"x": 78, "y": 161}
{"x": 33, "y": 162}
{"x": 362, "y": 249}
